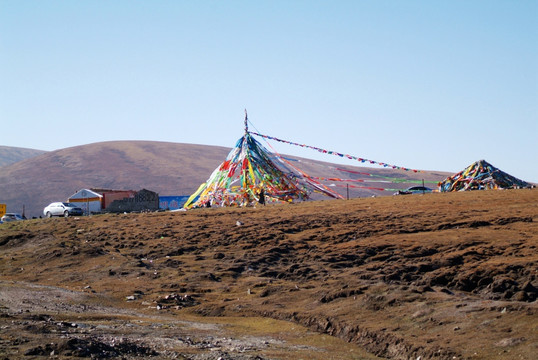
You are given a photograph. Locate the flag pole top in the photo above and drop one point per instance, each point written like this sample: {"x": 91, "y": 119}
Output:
{"x": 246, "y": 124}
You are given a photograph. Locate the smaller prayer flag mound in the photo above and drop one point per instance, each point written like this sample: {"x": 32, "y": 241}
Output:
{"x": 481, "y": 175}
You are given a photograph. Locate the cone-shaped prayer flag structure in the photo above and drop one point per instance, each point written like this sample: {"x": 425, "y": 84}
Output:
{"x": 481, "y": 175}
{"x": 247, "y": 176}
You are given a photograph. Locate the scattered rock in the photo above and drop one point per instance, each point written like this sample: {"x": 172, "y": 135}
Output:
{"x": 510, "y": 341}
{"x": 520, "y": 296}
{"x": 178, "y": 301}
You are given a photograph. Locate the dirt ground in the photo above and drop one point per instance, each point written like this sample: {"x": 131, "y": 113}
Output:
{"x": 434, "y": 276}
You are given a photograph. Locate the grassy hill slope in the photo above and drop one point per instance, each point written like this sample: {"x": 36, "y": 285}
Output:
{"x": 10, "y": 155}
{"x": 167, "y": 168}
{"x": 436, "y": 276}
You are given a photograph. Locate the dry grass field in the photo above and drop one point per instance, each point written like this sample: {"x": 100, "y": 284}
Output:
{"x": 435, "y": 276}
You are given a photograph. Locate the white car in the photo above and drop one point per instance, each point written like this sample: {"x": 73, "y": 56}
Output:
{"x": 61, "y": 209}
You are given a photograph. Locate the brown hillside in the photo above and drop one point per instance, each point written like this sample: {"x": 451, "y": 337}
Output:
{"x": 436, "y": 276}
{"x": 10, "y": 155}
{"x": 166, "y": 168}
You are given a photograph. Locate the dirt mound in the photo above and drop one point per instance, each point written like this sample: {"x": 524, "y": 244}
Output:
{"x": 438, "y": 276}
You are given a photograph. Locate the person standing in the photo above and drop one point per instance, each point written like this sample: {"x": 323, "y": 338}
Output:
{"x": 261, "y": 197}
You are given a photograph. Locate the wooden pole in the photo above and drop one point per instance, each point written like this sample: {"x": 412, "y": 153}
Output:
{"x": 347, "y": 190}
{"x": 246, "y": 121}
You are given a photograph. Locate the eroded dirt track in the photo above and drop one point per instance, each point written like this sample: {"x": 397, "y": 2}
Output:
{"x": 438, "y": 276}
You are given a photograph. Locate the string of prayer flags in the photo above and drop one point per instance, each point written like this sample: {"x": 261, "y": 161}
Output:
{"x": 330, "y": 152}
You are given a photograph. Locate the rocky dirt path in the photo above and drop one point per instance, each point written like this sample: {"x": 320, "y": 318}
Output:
{"x": 38, "y": 321}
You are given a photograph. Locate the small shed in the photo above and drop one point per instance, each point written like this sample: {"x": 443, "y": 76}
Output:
{"x": 89, "y": 201}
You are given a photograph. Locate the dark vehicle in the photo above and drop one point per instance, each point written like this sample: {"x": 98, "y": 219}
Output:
{"x": 11, "y": 217}
{"x": 62, "y": 209}
{"x": 414, "y": 190}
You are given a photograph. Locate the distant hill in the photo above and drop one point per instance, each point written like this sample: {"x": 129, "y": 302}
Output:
{"x": 10, "y": 155}
{"x": 163, "y": 167}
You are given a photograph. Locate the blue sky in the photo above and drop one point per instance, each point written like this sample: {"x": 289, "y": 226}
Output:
{"x": 432, "y": 85}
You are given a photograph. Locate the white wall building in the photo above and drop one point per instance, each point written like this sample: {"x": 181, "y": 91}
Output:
{"x": 89, "y": 201}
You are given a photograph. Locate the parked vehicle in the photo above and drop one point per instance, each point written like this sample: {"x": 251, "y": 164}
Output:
{"x": 62, "y": 209}
{"x": 11, "y": 217}
{"x": 414, "y": 190}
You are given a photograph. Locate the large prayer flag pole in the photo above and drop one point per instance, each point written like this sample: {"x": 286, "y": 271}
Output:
{"x": 248, "y": 172}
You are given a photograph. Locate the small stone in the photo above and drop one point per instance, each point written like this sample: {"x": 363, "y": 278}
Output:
{"x": 520, "y": 296}
{"x": 528, "y": 287}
